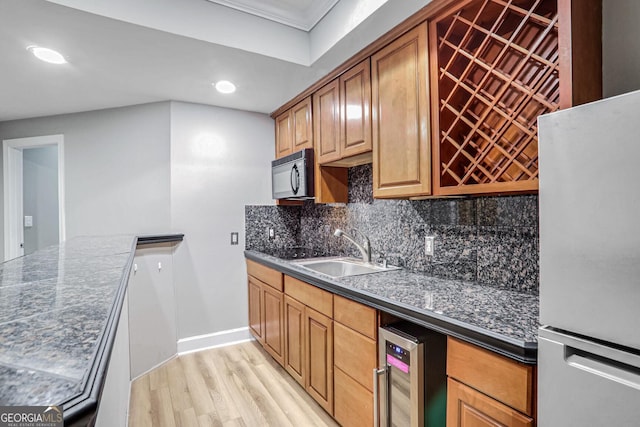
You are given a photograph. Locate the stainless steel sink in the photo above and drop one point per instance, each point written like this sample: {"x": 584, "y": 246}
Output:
{"x": 341, "y": 267}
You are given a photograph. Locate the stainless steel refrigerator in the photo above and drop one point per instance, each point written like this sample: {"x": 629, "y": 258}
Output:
{"x": 589, "y": 342}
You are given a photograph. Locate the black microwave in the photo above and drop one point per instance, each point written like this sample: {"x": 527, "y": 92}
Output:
{"x": 292, "y": 176}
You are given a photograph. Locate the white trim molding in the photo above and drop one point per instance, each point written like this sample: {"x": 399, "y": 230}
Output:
{"x": 217, "y": 339}
{"x": 303, "y": 15}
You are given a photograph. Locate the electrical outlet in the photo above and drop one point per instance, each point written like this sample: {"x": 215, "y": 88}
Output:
{"x": 271, "y": 233}
{"x": 429, "y": 245}
{"x": 234, "y": 238}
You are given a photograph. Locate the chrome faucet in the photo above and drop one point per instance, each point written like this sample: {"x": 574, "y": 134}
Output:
{"x": 365, "y": 249}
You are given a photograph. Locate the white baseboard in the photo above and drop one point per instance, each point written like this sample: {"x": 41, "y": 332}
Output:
{"x": 153, "y": 368}
{"x": 217, "y": 339}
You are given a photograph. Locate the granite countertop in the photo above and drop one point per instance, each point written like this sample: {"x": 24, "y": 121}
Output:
{"x": 500, "y": 320}
{"x": 59, "y": 309}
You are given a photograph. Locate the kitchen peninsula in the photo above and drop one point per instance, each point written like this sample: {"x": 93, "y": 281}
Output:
{"x": 60, "y": 312}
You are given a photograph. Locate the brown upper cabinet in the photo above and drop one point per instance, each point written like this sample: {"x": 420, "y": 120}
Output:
{"x": 342, "y": 118}
{"x": 294, "y": 129}
{"x": 400, "y": 112}
{"x": 330, "y": 182}
{"x": 326, "y": 122}
{"x": 496, "y": 66}
{"x": 455, "y": 93}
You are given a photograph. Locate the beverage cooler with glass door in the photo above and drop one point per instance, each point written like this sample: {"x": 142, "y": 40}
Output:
{"x": 410, "y": 382}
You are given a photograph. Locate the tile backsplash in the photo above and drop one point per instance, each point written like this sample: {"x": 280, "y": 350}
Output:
{"x": 489, "y": 240}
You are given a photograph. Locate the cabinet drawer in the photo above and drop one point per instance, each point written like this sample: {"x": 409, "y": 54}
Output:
{"x": 309, "y": 295}
{"x": 353, "y": 403}
{"x": 506, "y": 380}
{"x": 268, "y": 275}
{"x": 356, "y": 316}
{"x": 354, "y": 353}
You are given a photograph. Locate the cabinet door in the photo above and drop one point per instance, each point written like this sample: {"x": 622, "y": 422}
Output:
{"x": 302, "y": 129}
{"x": 273, "y": 324}
{"x": 468, "y": 407}
{"x": 255, "y": 309}
{"x": 353, "y": 403}
{"x": 284, "y": 144}
{"x": 326, "y": 122}
{"x": 294, "y": 339}
{"x": 400, "y": 117}
{"x": 355, "y": 110}
{"x": 319, "y": 351}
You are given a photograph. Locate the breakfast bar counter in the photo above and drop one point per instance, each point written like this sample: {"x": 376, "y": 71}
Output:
{"x": 59, "y": 311}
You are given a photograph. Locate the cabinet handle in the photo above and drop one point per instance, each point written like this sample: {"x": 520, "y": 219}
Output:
{"x": 376, "y": 398}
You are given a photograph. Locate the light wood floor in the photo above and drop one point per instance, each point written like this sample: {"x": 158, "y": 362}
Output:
{"x": 238, "y": 385}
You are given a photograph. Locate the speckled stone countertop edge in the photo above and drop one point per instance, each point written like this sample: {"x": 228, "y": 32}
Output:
{"x": 83, "y": 406}
{"x": 80, "y": 406}
{"x": 518, "y": 349}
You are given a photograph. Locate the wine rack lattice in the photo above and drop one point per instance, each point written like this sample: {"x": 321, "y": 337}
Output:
{"x": 497, "y": 67}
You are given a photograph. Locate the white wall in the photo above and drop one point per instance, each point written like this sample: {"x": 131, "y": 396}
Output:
{"x": 620, "y": 46}
{"x": 40, "y": 197}
{"x": 220, "y": 161}
{"x": 165, "y": 167}
{"x": 117, "y": 172}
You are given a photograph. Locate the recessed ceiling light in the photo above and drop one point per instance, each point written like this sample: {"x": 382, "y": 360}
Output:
{"x": 225, "y": 86}
{"x": 47, "y": 55}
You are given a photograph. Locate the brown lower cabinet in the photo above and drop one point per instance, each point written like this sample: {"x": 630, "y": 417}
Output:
{"x": 273, "y": 326}
{"x": 486, "y": 389}
{"x": 328, "y": 343}
{"x": 308, "y": 332}
{"x": 319, "y": 357}
{"x": 266, "y": 308}
{"x": 330, "y": 349}
{"x": 255, "y": 308}
{"x": 294, "y": 325}
{"x": 355, "y": 330}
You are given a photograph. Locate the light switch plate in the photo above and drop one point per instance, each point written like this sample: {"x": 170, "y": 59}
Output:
{"x": 28, "y": 221}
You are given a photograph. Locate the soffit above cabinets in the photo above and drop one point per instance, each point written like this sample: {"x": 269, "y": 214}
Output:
{"x": 300, "y": 14}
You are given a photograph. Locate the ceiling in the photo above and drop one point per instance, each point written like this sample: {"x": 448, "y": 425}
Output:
{"x": 301, "y": 14}
{"x": 124, "y": 52}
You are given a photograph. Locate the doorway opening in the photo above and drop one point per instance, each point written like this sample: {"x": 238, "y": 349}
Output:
{"x": 34, "y": 214}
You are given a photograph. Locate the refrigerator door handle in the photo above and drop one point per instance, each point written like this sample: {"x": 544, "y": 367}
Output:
{"x": 609, "y": 369}
{"x": 376, "y": 394}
